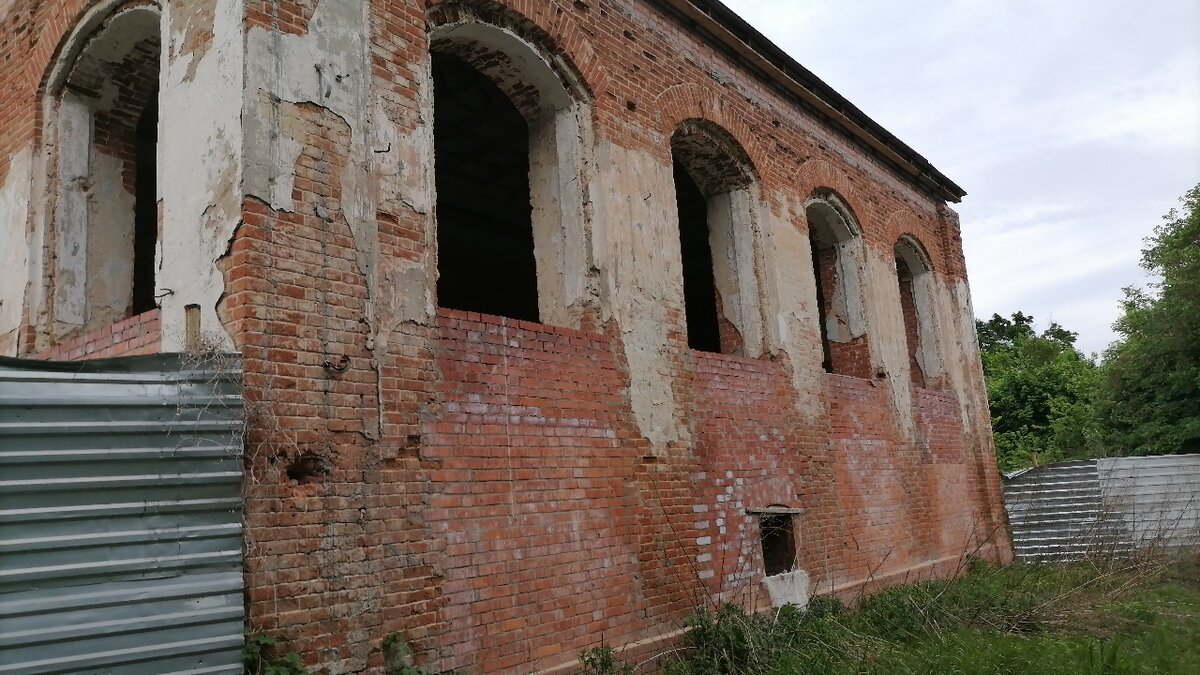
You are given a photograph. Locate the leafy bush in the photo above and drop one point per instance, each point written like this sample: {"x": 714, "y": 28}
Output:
{"x": 604, "y": 661}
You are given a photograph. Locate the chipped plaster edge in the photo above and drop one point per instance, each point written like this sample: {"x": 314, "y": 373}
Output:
{"x": 201, "y": 119}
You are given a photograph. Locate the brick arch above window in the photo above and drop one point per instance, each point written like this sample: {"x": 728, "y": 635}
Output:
{"x": 555, "y": 37}
{"x": 522, "y": 61}
{"x": 717, "y": 195}
{"x": 690, "y": 103}
{"x": 839, "y": 271}
{"x": 920, "y": 230}
{"x": 716, "y": 159}
{"x": 817, "y": 177}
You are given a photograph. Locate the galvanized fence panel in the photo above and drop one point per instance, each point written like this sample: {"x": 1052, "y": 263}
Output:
{"x": 1115, "y": 506}
{"x": 120, "y": 516}
{"x": 1056, "y": 512}
{"x": 1158, "y": 497}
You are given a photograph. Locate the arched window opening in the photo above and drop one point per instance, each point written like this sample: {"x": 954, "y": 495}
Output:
{"x": 913, "y": 275}
{"x": 510, "y": 170}
{"x": 713, "y": 196}
{"x": 102, "y": 141}
{"x": 485, "y": 231}
{"x": 833, "y": 238}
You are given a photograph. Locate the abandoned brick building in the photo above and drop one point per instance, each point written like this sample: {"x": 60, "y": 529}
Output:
{"x": 558, "y": 318}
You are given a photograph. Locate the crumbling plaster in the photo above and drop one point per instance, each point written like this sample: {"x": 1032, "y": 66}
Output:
{"x": 886, "y": 334}
{"x": 108, "y": 274}
{"x": 330, "y": 66}
{"x": 15, "y": 248}
{"x": 960, "y": 356}
{"x": 924, "y": 295}
{"x": 790, "y": 299}
{"x": 71, "y": 215}
{"x": 552, "y": 98}
{"x": 637, "y": 242}
{"x": 199, "y": 167}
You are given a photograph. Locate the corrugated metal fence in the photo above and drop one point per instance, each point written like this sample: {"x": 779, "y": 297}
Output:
{"x": 120, "y": 516}
{"x": 1113, "y": 505}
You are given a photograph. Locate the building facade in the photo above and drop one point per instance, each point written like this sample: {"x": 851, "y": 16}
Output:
{"x": 559, "y": 319}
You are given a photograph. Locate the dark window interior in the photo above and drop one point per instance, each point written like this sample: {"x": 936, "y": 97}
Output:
{"x": 484, "y": 218}
{"x": 778, "y": 544}
{"x": 699, "y": 286}
{"x": 821, "y": 259}
{"x": 145, "y": 227}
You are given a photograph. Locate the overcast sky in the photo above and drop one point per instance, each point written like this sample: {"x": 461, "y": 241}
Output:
{"x": 1073, "y": 125}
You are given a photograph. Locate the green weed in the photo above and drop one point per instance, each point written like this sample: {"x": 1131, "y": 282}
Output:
{"x": 1116, "y": 618}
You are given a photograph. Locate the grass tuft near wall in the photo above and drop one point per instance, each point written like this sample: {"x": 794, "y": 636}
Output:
{"x": 1094, "y": 617}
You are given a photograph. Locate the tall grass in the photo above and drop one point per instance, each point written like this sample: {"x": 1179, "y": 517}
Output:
{"x": 1109, "y": 617}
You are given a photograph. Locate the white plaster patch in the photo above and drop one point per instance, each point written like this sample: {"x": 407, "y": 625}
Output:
{"x": 284, "y": 182}
{"x": 790, "y": 292}
{"x": 74, "y": 129}
{"x": 14, "y": 247}
{"x": 329, "y": 66}
{"x": 199, "y": 173}
{"x": 640, "y": 275}
{"x": 886, "y": 334}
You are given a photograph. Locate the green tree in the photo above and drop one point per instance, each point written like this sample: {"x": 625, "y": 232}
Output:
{"x": 1151, "y": 397}
{"x": 1041, "y": 391}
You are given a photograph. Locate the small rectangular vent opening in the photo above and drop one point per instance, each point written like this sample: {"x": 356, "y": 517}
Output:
{"x": 778, "y": 543}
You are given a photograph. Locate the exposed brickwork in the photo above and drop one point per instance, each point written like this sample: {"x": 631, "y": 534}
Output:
{"x": 887, "y": 524}
{"x": 531, "y": 492}
{"x": 731, "y": 338}
{"x": 115, "y": 127}
{"x": 138, "y": 334}
{"x": 288, "y": 17}
{"x": 480, "y": 486}
{"x": 949, "y": 478}
{"x": 328, "y": 502}
{"x": 752, "y": 453}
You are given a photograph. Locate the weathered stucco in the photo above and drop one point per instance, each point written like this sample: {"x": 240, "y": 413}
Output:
{"x": 330, "y": 66}
{"x": 199, "y": 168}
{"x": 561, "y": 173}
{"x": 15, "y": 247}
{"x": 790, "y": 299}
{"x": 399, "y": 450}
{"x": 885, "y": 334}
{"x": 83, "y": 226}
{"x": 637, "y": 239}
{"x": 71, "y": 213}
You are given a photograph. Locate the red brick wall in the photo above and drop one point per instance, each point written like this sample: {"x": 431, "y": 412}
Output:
{"x": 753, "y": 451}
{"x": 139, "y": 334}
{"x": 532, "y": 493}
{"x": 503, "y": 512}
{"x": 949, "y": 481}
{"x": 878, "y": 478}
